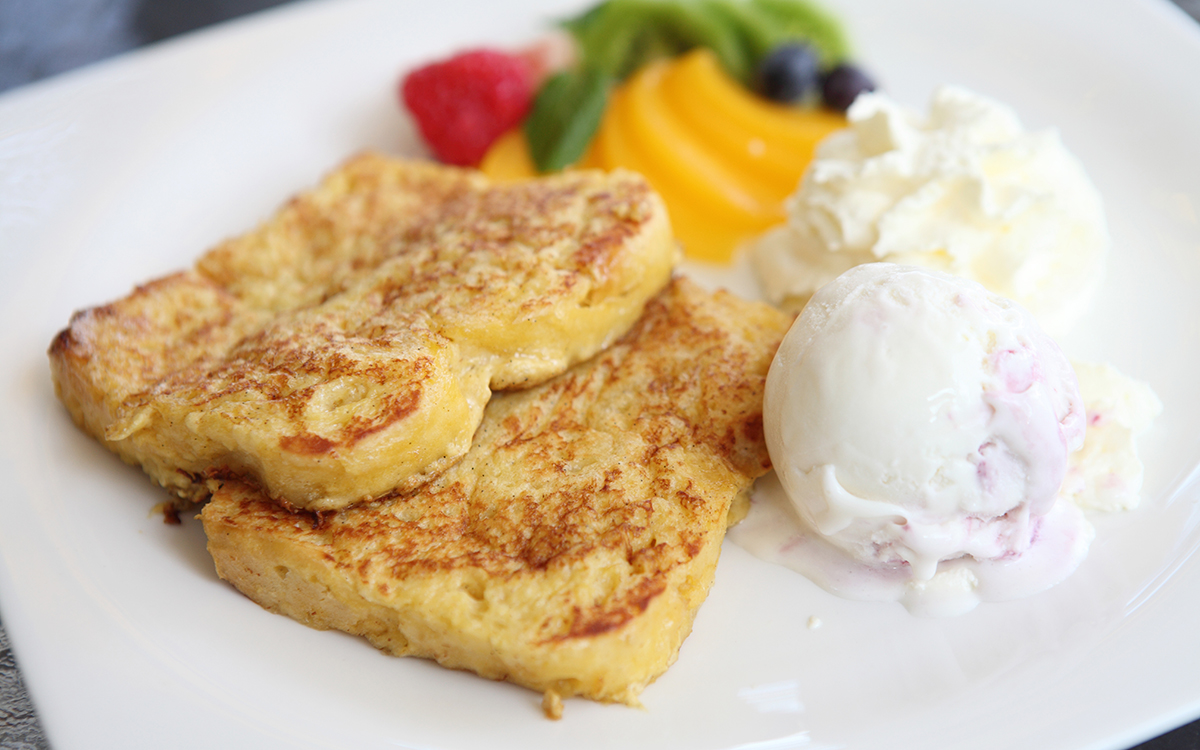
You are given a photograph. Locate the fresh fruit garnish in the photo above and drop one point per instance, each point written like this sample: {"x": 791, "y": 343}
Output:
{"x": 620, "y": 36}
{"x": 566, "y": 114}
{"x": 724, "y": 179}
{"x": 790, "y": 73}
{"x": 842, "y": 85}
{"x": 463, "y": 104}
{"x": 508, "y": 158}
{"x": 781, "y": 46}
{"x": 716, "y": 102}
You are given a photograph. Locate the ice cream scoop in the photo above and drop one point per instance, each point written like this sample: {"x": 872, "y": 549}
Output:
{"x": 920, "y": 426}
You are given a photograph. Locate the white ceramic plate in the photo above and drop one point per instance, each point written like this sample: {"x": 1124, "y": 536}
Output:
{"x": 130, "y": 169}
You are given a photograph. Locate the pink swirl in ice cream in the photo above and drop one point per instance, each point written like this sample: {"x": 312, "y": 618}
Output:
{"x": 920, "y": 426}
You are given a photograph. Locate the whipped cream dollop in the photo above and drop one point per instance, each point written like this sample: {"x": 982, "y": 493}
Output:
{"x": 1106, "y": 473}
{"x": 920, "y": 427}
{"x": 963, "y": 189}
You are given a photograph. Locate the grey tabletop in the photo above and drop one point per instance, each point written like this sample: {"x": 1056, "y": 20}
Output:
{"x": 39, "y": 39}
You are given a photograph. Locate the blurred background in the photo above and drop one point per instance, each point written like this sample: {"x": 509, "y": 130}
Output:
{"x": 41, "y": 38}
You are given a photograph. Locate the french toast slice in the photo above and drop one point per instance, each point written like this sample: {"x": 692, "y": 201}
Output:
{"x": 569, "y": 550}
{"x": 347, "y": 347}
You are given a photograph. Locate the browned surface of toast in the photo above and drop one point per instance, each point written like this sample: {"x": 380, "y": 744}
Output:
{"x": 348, "y": 346}
{"x": 571, "y": 547}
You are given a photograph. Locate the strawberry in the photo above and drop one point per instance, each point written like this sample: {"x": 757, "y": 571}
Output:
{"x": 463, "y": 104}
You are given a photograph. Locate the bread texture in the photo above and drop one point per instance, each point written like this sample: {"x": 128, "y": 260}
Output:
{"x": 569, "y": 550}
{"x": 347, "y": 347}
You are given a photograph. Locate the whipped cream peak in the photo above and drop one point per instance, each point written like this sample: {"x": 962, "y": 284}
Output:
{"x": 962, "y": 189}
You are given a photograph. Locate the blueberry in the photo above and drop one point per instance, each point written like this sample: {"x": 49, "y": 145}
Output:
{"x": 842, "y": 85}
{"x": 789, "y": 73}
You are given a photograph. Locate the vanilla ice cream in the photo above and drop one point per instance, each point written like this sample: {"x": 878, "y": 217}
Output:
{"x": 964, "y": 189}
{"x": 921, "y": 427}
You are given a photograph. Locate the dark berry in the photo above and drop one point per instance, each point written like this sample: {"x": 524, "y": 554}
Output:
{"x": 789, "y": 73}
{"x": 842, "y": 85}
{"x": 463, "y": 104}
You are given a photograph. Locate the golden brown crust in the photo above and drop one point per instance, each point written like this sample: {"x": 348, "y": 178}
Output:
{"x": 347, "y": 347}
{"x": 570, "y": 548}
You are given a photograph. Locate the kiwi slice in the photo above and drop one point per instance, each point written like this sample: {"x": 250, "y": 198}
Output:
{"x": 797, "y": 20}
{"x": 620, "y": 36}
{"x": 565, "y": 116}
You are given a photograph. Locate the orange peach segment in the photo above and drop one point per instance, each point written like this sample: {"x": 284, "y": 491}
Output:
{"x": 770, "y": 141}
{"x": 508, "y": 158}
{"x": 723, "y": 159}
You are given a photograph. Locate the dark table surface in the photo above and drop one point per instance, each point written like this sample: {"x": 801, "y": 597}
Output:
{"x": 39, "y": 38}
